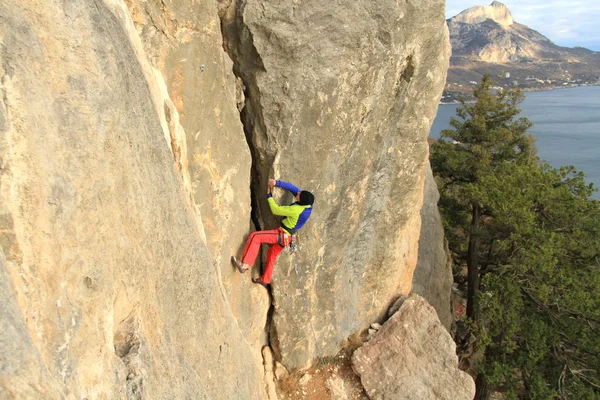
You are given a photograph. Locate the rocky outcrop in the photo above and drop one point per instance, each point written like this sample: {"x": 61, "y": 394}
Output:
{"x": 340, "y": 98}
{"x": 433, "y": 275}
{"x": 412, "y": 357}
{"x": 490, "y": 34}
{"x": 490, "y": 41}
{"x": 496, "y": 12}
{"x": 116, "y": 292}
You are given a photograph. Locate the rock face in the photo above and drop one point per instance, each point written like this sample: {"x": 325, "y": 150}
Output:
{"x": 22, "y": 372}
{"x": 433, "y": 276}
{"x": 412, "y": 357}
{"x": 340, "y": 97}
{"x": 496, "y": 11}
{"x": 182, "y": 40}
{"x": 126, "y": 178}
{"x": 111, "y": 287}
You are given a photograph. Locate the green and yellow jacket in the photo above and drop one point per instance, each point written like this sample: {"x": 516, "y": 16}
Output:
{"x": 296, "y": 214}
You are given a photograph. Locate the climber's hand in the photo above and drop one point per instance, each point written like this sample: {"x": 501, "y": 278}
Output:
{"x": 272, "y": 183}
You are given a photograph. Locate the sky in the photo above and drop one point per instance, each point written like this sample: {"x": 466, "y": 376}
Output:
{"x": 567, "y": 23}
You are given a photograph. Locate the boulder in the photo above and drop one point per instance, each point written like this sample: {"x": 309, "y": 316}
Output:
{"x": 116, "y": 292}
{"x": 433, "y": 275}
{"x": 339, "y": 100}
{"x": 412, "y": 357}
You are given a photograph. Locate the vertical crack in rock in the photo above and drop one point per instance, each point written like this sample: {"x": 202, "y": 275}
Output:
{"x": 255, "y": 170}
{"x": 247, "y": 66}
{"x": 409, "y": 70}
{"x": 127, "y": 347}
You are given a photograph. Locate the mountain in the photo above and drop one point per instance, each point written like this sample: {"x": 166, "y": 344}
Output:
{"x": 486, "y": 39}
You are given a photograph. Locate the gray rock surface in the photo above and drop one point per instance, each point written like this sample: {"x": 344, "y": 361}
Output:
{"x": 340, "y": 99}
{"x": 182, "y": 40}
{"x": 22, "y": 372}
{"x": 433, "y": 276}
{"x": 412, "y": 357}
{"x": 116, "y": 292}
{"x": 125, "y": 184}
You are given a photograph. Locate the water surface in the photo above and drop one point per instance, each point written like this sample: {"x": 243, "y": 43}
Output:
{"x": 566, "y": 127}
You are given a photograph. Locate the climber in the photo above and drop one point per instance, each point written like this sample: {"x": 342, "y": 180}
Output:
{"x": 296, "y": 216}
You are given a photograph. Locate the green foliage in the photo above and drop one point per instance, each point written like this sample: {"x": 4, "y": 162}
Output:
{"x": 486, "y": 134}
{"x": 538, "y": 254}
{"x": 548, "y": 234}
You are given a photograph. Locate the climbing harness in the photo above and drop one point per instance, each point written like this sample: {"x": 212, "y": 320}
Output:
{"x": 290, "y": 243}
{"x": 319, "y": 352}
{"x": 283, "y": 238}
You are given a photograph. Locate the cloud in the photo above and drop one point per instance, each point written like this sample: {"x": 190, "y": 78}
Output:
{"x": 566, "y": 23}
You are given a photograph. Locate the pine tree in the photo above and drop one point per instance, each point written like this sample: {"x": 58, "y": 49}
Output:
{"x": 487, "y": 134}
{"x": 530, "y": 237}
{"x": 539, "y": 303}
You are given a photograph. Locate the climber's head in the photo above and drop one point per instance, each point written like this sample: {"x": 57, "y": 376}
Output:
{"x": 305, "y": 198}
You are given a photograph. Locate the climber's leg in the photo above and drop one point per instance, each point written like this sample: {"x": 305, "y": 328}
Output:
{"x": 254, "y": 242}
{"x": 271, "y": 258}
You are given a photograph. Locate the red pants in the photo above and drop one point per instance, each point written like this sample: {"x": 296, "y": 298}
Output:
{"x": 253, "y": 246}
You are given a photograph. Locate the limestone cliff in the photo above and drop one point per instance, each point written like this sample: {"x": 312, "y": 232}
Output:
{"x": 115, "y": 291}
{"x": 491, "y": 34}
{"x": 136, "y": 139}
{"x": 182, "y": 40}
{"x": 496, "y": 12}
{"x": 340, "y": 100}
{"x": 433, "y": 275}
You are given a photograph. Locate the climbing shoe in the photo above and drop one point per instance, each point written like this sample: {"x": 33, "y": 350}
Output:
{"x": 260, "y": 282}
{"x": 239, "y": 265}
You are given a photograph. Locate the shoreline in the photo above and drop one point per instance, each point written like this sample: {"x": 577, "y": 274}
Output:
{"x": 545, "y": 89}
{"x": 566, "y": 126}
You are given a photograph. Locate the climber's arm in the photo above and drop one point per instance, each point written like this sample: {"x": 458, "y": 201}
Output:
{"x": 288, "y": 186}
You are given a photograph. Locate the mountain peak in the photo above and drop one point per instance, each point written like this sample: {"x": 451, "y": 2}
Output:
{"x": 495, "y": 11}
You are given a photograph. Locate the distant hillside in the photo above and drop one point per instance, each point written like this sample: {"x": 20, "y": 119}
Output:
{"x": 486, "y": 39}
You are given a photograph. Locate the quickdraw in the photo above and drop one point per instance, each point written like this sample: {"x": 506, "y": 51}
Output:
{"x": 291, "y": 243}
{"x": 294, "y": 245}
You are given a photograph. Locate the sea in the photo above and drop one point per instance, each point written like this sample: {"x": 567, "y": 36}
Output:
{"x": 566, "y": 127}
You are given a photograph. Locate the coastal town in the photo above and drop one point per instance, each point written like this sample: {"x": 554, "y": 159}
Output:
{"x": 456, "y": 90}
